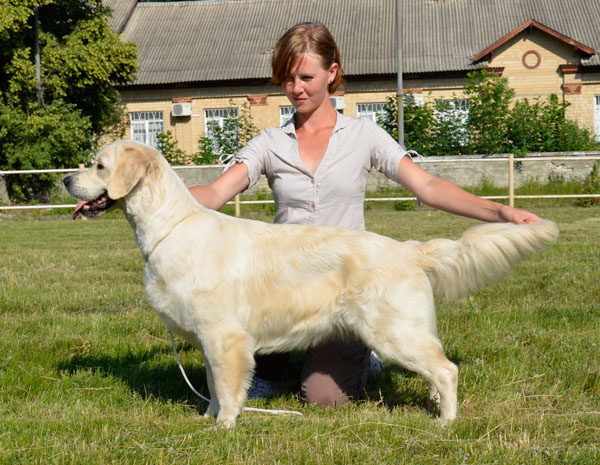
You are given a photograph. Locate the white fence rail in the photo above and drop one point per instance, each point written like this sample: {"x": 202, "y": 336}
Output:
{"x": 509, "y": 160}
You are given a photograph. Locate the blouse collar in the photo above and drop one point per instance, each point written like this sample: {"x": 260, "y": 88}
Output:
{"x": 340, "y": 123}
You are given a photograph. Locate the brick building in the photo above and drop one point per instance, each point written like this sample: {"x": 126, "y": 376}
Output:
{"x": 202, "y": 61}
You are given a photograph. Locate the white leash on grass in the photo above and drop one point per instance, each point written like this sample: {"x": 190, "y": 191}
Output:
{"x": 246, "y": 409}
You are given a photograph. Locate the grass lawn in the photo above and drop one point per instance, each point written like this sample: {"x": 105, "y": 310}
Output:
{"x": 87, "y": 374}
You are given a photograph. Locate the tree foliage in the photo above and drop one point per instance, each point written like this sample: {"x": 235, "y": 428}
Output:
{"x": 81, "y": 58}
{"x": 43, "y": 138}
{"x": 489, "y": 108}
{"x": 496, "y": 122}
{"x": 55, "y": 122}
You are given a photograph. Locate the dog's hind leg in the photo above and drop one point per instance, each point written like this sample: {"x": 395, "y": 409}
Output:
{"x": 231, "y": 360}
{"x": 421, "y": 352}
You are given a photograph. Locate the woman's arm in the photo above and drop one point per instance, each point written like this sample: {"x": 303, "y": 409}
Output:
{"x": 442, "y": 194}
{"x": 224, "y": 188}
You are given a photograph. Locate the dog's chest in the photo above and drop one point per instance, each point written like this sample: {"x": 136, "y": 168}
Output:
{"x": 164, "y": 300}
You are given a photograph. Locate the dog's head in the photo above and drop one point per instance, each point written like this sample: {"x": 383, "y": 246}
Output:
{"x": 116, "y": 171}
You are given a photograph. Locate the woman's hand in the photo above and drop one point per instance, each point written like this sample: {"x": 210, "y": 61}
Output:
{"x": 513, "y": 215}
{"x": 222, "y": 189}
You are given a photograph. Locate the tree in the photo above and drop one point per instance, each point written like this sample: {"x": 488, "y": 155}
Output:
{"x": 492, "y": 126}
{"x": 489, "y": 108}
{"x": 81, "y": 61}
{"x": 44, "y": 138}
{"x": 419, "y": 123}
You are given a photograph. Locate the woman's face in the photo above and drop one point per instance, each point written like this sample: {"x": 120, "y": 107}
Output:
{"x": 307, "y": 85}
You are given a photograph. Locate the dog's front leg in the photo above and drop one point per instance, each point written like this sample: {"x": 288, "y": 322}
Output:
{"x": 231, "y": 361}
{"x": 213, "y": 406}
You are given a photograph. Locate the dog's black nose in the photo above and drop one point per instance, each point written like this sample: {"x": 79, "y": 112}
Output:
{"x": 67, "y": 180}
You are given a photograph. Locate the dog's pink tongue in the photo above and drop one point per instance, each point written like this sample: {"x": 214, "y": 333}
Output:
{"x": 78, "y": 208}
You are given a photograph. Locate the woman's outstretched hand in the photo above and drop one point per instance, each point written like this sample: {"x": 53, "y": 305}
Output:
{"x": 513, "y": 215}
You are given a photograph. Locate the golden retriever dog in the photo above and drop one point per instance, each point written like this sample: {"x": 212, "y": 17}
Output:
{"x": 233, "y": 287}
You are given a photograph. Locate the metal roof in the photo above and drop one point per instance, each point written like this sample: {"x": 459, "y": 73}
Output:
{"x": 120, "y": 12}
{"x": 185, "y": 42}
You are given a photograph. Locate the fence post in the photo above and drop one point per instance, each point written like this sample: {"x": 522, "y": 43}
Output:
{"x": 511, "y": 179}
{"x": 237, "y": 205}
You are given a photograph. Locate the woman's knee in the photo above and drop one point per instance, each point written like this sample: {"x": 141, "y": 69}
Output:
{"x": 320, "y": 389}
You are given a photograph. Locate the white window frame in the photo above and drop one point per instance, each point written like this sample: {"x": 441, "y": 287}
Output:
{"x": 370, "y": 110}
{"x": 460, "y": 107}
{"x": 418, "y": 98}
{"x": 146, "y": 125}
{"x": 285, "y": 113}
{"x": 597, "y": 117}
{"x": 219, "y": 115}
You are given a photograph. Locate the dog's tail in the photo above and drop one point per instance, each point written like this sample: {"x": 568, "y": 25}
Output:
{"x": 483, "y": 254}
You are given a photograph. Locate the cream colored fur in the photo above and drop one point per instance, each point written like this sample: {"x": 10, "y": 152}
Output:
{"x": 233, "y": 287}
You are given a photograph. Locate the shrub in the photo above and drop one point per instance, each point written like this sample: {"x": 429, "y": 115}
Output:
{"x": 56, "y": 135}
{"x": 591, "y": 186}
{"x": 167, "y": 145}
{"x": 489, "y": 101}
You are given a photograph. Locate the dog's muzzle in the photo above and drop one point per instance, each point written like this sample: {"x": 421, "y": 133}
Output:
{"x": 90, "y": 208}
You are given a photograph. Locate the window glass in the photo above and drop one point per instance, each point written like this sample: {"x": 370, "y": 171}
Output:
{"x": 145, "y": 125}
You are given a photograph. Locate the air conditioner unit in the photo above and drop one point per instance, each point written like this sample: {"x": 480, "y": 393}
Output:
{"x": 338, "y": 102}
{"x": 181, "y": 109}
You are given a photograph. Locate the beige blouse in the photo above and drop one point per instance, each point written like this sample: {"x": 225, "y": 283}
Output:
{"x": 335, "y": 194}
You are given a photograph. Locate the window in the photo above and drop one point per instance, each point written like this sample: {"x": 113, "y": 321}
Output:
{"x": 221, "y": 126}
{"x": 414, "y": 98}
{"x": 218, "y": 116}
{"x": 285, "y": 113}
{"x": 370, "y": 110}
{"x": 452, "y": 116}
{"x": 457, "y": 109}
{"x": 597, "y": 117}
{"x": 145, "y": 125}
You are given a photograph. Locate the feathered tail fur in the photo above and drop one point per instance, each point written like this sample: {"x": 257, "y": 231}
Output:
{"x": 483, "y": 254}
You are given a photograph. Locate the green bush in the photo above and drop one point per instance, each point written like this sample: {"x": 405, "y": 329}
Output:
{"x": 591, "y": 186}
{"x": 46, "y": 137}
{"x": 493, "y": 126}
{"x": 167, "y": 145}
{"x": 489, "y": 109}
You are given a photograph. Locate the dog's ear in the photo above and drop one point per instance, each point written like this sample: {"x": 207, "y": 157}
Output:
{"x": 131, "y": 165}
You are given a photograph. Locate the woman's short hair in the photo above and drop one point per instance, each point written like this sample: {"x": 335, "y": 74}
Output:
{"x": 301, "y": 39}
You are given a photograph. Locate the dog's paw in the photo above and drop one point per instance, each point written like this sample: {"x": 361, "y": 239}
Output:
{"x": 225, "y": 423}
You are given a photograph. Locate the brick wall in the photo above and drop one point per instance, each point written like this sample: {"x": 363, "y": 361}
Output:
{"x": 535, "y": 63}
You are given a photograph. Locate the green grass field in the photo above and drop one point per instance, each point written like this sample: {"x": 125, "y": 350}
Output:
{"x": 87, "y": 374}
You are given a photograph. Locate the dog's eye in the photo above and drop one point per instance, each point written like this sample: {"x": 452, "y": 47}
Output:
{"x": 100, "y": 166}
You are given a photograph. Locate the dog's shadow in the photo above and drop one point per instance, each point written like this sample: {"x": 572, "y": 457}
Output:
{"x": 154, "y": 373}
{"x": 149, "y": 373}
